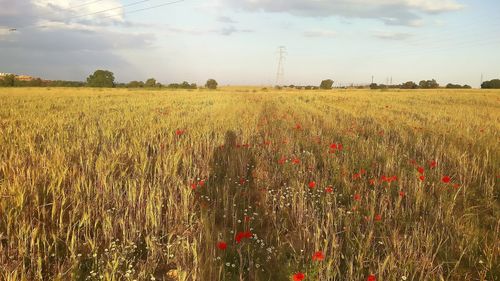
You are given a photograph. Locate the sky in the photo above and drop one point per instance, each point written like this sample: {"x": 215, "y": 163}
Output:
{"x": 236, "y": 41}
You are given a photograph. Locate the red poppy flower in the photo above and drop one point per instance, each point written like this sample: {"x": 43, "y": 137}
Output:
{"x": 318, "y": 256}
{"x": 420, "y": 170}
{"x": 433, "y": 164}
{"x": 357, "y": 197}
{"x": 298, "y": 126}
{"x": 335, "y": 147}
{"x": 371, "y": 277}
{"x": 422, "y": 178}
{"x": 456, "y": 185}
{"x": 356, "y": 176}
{"x": 201, "y": 183}
{"x": 372, "y": 181}
{"x": 299, "y": 276}
{"x": 179, "y": 132}
{"x": 402, "y": 194}
{"x": 446, "y": 179}
{"x": 295, "y": 160}
{"x": 222, "y": 245}
{"x": 282, "y": 161}
{"x": 241, "y": 235}
{"x": 329, "y": 189}
{"x": 193, "y": 186}
{"x": 378, "y": 218}
{"x": 312, "y": 184}
{"x": 242, "y": 181}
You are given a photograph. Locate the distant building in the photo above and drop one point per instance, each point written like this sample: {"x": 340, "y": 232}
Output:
{"x": 24, "y": 78}
{"x": 2, "y": 74}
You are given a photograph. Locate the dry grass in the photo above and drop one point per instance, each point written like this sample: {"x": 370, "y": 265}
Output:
{"x": 97, "y": 185}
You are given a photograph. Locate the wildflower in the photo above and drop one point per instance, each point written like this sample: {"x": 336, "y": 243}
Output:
{"x": 222, "y": 245}
{"x": 318, "y": 256}
{"x": 299, "y": 276}
{"x": 371, "y": 277}
{"x": 357, "y": 197}
{"x": 298, "y": 126}
{"x": 282, "y": 161}
{"x": 312, "y": 184}
{"x": 334, "y": 147}
{"x": 422, "y": 178}
{"x": 241, "y": 235}
{"x": 433, "y": 164}
{"x": 378, "y": 218}
{"x": 420, "y": 170}
{"x": 402, "y": 194}
{"x": 446, "y": 179}
{"x": 179, "y": 132}
{"x": 296, "y": 161}
{"x": 329, "y": 189}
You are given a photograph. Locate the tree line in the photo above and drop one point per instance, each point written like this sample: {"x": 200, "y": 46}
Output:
{"x": 424, "y": 84}
{"x": 106, "y": 79}
{"x": 100, "y": 79}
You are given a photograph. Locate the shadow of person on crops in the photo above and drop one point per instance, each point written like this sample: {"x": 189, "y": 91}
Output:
{"x": 224, "y": 203}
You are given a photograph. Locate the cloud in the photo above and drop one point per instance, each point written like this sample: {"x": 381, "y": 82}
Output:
{"x": 196, "y": 31}
{"x": 56, "y": 36}
{"x": 384, "y": 35}
{"x": 320, "y": 33}
{"x": 398, "y": 12}
{"x": 225, "y": 19}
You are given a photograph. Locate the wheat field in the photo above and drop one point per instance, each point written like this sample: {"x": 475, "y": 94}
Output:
{"x": 249, "y": 184}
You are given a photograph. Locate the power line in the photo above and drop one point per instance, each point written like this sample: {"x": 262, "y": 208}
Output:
{"x": 84, "y": 4}
{"x": 103, "y": 11}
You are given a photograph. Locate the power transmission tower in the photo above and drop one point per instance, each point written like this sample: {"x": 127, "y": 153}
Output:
{"x": 280, "y": 74}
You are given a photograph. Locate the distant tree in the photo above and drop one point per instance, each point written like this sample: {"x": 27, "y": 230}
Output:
{"x": 457, "y": 86}
{"x": 428, "y": 84}
{"x": 101, "y": 79}
{"x": 409, "y": 85}
{"x": 8, "y": 80}
{"x": 135, "y": 84}
{"x": 493, "y": 84}
{"x": 326, "y": 84}
{"x": 375, "y": 86}
{"x": 150, "y": 83}
{"x": 211, "y": 84}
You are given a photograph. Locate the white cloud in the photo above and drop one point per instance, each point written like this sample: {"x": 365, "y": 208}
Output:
{"x": 65, "y": 10}
{"x": 386, "y": 35}
{"x": 320, "y": 33}
{"x": 399, "y": 12}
